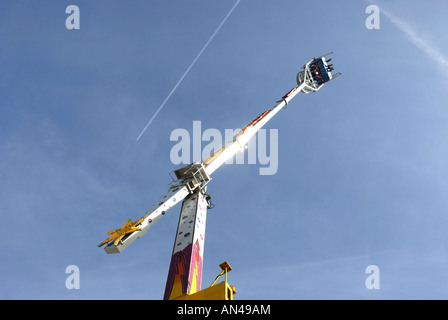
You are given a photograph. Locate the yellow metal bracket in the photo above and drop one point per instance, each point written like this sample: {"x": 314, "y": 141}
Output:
{"x": 225, "y": 267}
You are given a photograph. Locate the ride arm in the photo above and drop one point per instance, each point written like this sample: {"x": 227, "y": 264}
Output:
{"x": 242, "y": 138}
{"x": 121, "y": 238}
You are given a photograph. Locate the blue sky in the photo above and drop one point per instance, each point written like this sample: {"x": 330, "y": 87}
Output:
{"x": 362, "y": 167}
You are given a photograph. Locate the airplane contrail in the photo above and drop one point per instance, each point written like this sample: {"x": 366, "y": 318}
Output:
{"x": 415, "y": 38}
{"x": 189, "y": 68}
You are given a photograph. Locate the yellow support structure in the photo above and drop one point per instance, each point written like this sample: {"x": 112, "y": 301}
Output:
{"x": 220, "y": 291}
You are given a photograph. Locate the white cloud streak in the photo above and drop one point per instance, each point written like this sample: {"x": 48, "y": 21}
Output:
{"x": 417, "y": 39}
{"x": 188, "y": 69}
